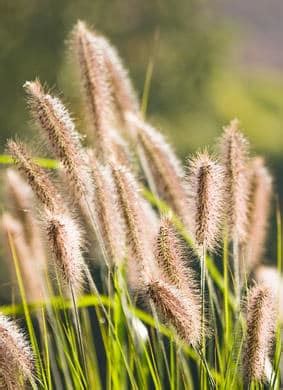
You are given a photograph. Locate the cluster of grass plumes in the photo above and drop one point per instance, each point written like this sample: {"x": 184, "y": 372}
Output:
{"x": 186, "y": 240}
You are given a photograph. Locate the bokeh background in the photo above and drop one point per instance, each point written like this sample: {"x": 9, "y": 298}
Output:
{"x": 212, "y": 61}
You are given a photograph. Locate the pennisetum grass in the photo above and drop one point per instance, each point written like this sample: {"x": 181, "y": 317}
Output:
{"x": 260, "y": 332}
{"x": 99, "y": 216}
{"x": 234, "y": 154}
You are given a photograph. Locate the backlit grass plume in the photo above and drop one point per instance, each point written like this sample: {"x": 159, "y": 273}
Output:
{"x": 32, "y": 270}
{"x": 16, "y": 358}
{"x": 260, "y": 199}
{"x": 22, "y": 201}
{"x": 175, "y": 309}
{"x": 108, "y": 214}
{"x": 125, "y": 96}
{"x": 94, "y": 76}
{"x": 261, "y": 324}
{"x": 131, "y": 207}
{"x": 165, "y": 169}
{"x": 65, "y": 242}
{"x": 59, "y": 129}
{"x": 35, "y": 175}
{"x": 170, "y": 254}
{"x": 234, "y": 150}
{"x": 206, "y": 198}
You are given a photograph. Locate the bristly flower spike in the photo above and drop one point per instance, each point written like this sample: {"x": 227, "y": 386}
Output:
{"x": 35, "y": 176}
{"x": 94, "y": 76}
{"x": 123, "y": 91}
{"x": 16, "y": 358}
{"x": 234, "y": 150}
{"x": 259, "y": 210}
{"x": 59, "y": 129}
{"x": 164, "y": 166}
{"x": 65, "y": 239}
{"x": 261, "y": 323}
{"x": 175, "y": 309}
{"x": 206, "y": 192}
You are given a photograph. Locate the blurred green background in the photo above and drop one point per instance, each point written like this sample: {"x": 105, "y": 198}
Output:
{"x": 213, "y": 61}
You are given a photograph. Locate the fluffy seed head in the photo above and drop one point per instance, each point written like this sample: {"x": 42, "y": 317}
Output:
{"x": 16, "y": 360}
{"x": 260, "y": 197}
{"x": 65, "y": 241}
{"x": 35, "y": 175}
{"x": 205, "y": 182}
{"x": 108, "y": 215}
{"x": 93, "y": 71}
{"x": 164, "y": 166}
{"x": 30, "y": 265}
{"x": 234, "y": 156}
{"x": 59, "y": 129}
{"x": 22, "y": 201}
{"x": 170, "y": 255}
{"x": 124, "y": 93}
{"x": 261, "y": 323}
{"x": 135, "y": 219}
{"x": 175, "y": 309}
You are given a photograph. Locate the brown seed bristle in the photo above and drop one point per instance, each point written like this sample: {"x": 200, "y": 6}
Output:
{"x": 22, "y": 199}
{"x": 260, "y": 197}
{"x": 65, "y": 240}
{"x": 164, "y": 166}
{"x": 108, "y": 215}
{"x": 16, "y": 359}
{"x": 131, "y": 207}
{"x": 93, "y": 71}
{"x": 205, "y": 181}
{"x": 270, "y": 276}
{"x": 32, "y": 270}
{"x": 124, "y": 93}
{"x": 234, "y": 149}
{"x": 261, "y": 323}
{"x": 35, "y": 175}
{"x": 170, "y": 255}
{"x": 175, "y": 309}
{"x": 60, "y": 131}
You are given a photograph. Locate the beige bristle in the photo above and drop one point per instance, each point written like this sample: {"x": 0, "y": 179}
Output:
{"x": 171, "y": 257}
{"x": 261, "y": 323}
{"x": 35, "y": 175}
{"x": 59, "y": 129}
{"x": 32, "y": 270}
{"x": 206, "y": 197}
{"x": 124, "y": 93}
{"x": 16, "y": 359}
{"x": 234, "y": 149}
{"x": 93, "y": 71}
{"x": 175, "y": 309}
{"x": 164, "y": 166}
{"x": 108, "y": 215}
{"x": 131, "y": 207}
{"x": 260, "y": 198}
{"x": 22, "y": 199}
{"x": 64, "y": 237}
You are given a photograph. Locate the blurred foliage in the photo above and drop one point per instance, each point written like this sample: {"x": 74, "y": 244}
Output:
{"x": 180, "y": 37}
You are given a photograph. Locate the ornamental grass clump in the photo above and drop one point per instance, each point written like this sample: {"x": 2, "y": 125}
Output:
{"x": 130, "y": 268}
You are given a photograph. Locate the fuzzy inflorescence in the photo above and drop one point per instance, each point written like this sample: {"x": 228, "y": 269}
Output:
{"x": 35, "y": 175}
{"x": 175, "y": 309}
{"x": 16, "y": 358}
{"x": 205, "y": 185}
{"x": 234, "y": 149}
{"x": 259, "y": 209}
{"x": 260, "y": 332}
{"x": 164, "y": 166}
{"x": 90, "y": 56}
{"x": 59, "y": 129}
